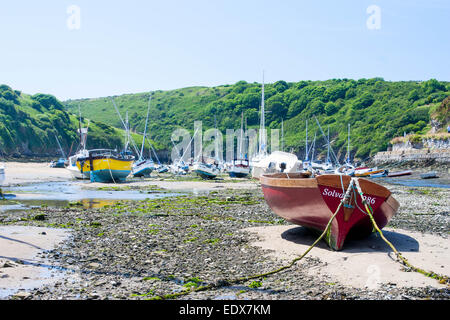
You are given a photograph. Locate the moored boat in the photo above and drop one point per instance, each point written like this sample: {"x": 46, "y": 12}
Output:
{"x": 106, "y": 165}
{"x": 399, "y": 173}
{"x": 366, "y": 172}
{"x": 239, "y": 169}
{"x": 60, "y": 163}
{"x": 277, "y": 161}
{"x": 429, "y": 175}
{"x": 310, "y": 202}
{"x": 206, "y": 170}
{"x": 143, "y": 168}
{"x": 383, "y": 173}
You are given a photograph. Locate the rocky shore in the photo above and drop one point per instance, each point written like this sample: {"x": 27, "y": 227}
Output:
{"x": 157, "y": 248}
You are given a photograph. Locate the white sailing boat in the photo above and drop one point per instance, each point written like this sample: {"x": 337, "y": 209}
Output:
{"x": 256, "y": 163}
{"x": 81, "y": 152}
{"x": 240, "y": 168}
{"x": 206, "y": 167}
{"x": 143, "y": 167}
{"x": 277, "y": 161}
{"x": 179, "y": 167}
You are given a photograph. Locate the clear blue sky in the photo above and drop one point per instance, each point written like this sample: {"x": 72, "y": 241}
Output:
{"x": 135, "y": 46}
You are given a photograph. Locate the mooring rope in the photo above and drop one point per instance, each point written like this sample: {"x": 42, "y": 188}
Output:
{"x": 110, "y": 171}
{"x": 442, "y": 279}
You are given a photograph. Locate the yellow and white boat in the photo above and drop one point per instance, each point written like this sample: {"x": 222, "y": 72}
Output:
{"x": 105, "y": 165}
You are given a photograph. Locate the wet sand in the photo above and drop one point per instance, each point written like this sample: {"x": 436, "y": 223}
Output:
{"x": 20, "y": 173}
{"x": 21, "y": 267}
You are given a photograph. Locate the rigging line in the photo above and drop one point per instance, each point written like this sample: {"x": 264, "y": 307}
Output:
{"x": 332, "y": 151}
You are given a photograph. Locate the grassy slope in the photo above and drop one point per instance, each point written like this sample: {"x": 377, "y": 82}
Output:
{"x": 377, "y": 110}
{"x": 28, "y": 125}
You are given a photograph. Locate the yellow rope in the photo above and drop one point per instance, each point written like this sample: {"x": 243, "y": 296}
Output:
{"x": 442, "y": 279}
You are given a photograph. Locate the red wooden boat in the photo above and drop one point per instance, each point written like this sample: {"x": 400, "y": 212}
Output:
{"x": 310, "y": 202}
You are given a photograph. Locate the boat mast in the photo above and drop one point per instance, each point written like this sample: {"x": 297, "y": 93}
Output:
{"x": 216, "y": 141}
{"x": 242, "y": 136}
{"x": 328, "y": 149}
{"x": 59, "y": 145}
{"x": 282, "y": 136}
{"x": 79, "y": 127}
{"x": 262, "y": 136}
{"x": 348, "y": 145}
{"x": 145, "y": 129}
{"x": 306, "y": 148}
{"x": 125, "y": 125}
{"x": 247, "y": 138}
{"x": 313, "y": 146}
{"x": 127, "y": 132}
{"x": 328, "y": 140}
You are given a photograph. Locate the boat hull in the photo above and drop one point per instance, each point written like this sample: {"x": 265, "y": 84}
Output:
{"x": 205, "y": 174}
{"x": 310, "y": 202}
{"x": 106, "y": 175}
{"x": 205, "y": 171}
{"x": 400, "y": 173}
{"x": 143, "y": 169}
{"x": 429, "y": 175}
{"x": 105, "y": 169}
{"x": 239, "y": 172}
{"x": 76, "y": 173}
{"x": 236, "y": 174}
{"x": 145, "y": 172}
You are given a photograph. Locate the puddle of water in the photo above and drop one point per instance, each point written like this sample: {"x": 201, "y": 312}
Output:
{"x": 431, "y": 183}
{"x": 60, "y": 194}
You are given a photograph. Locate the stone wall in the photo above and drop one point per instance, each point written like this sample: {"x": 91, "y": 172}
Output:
{"x": 417, "y": 155}
{"x": 428, "y": 143}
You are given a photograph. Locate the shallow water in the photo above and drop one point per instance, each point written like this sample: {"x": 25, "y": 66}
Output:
{"x": 412, "y": 182}
{"x": 60, "y": 194}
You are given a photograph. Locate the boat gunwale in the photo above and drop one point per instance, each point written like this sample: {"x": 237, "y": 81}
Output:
{"x": 291, "y": 180}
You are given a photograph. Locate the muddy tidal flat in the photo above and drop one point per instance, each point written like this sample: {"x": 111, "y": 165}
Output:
{"x": 167, "y": 247}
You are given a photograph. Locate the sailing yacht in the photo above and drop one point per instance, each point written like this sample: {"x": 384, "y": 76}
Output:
{"x": 143, "y": 167}
{"x": 240, "y": 167}
{"x": 206, "y": 167}
{"x": 277, "y": 161}
{"x": 80, "y": 153}
{"x": 256, "y": 163}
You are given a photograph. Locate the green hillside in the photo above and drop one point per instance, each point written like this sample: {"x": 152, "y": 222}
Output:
{"x": 29, "y": 123}
{"x": 377, "y": 110}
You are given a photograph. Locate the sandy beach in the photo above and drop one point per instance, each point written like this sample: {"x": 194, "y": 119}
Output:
{"x": 29, "y": 172}
{"x": 364, "y": 263}
{"x": 224, "y": 233}
{"x": 21, "y": 267}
